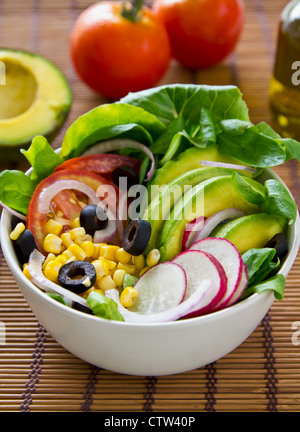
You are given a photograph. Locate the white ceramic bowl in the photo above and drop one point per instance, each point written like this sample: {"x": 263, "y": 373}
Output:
{"x": 148, "y": 349}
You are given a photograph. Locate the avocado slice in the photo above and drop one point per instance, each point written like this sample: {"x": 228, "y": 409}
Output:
{"x": 251, "y": 231}
{"x": 204, "y": 199}
{"x": 161, "y": 205}
{"x": 35, "y": 99}
{"x": 190, "y": 160}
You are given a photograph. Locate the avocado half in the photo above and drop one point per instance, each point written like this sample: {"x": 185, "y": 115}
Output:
{"x": 35, "y": 99}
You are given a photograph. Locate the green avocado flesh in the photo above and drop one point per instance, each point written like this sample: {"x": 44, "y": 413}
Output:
{"x": 204, "y": 199}
{"x": 189, "y": 160}
{"x": 35, "y": 98}
{"x": 253, "y": 231}
{"x": 160, "y": 206}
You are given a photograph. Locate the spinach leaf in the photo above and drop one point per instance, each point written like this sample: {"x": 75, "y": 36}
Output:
{"x": 42, "y": 158}
{"x": 103, "y": 307}
{"x": 16, "y": 189}
{"x": 259, "y": 262}
{"x": 110, "y": 121}
{"x": 252, "y": 147}
{"x": 275, "y": 284}
{"x": 279, "y": 200}
{"x": 249, "y": 189}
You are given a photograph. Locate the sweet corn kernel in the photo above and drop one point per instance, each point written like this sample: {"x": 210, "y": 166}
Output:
{"x": 153, "y": 257}
{"x": 143, "y": 271}
{"x": 122, "y": 256}
{"x": 81, "y": 239}
{"x": 76, "y": 232}
{"x": 77, "y": 251}
{"x": 51, "y": 270}
{"x": 128, "y": 268}
{"x": 97, "y": 248}
{"x": 109, "y": 252}
{"x": 50, "y": 257}
{"x": 118, "y": 277}
{"x": 26, "y": 271}
{"x": 52, "y": 243}
{"x": 53, "y": 227}
{"x": 100, "y": 291}
{"x": 106, "y": 283}
{"x": 66, "y": 239}
{"x": 61, "y": 259}
{"x": 138, "y": 262}
{"x": 68, "y": 254}
{"x": 128, "y": 296}
{"x": 75, "y": 223}
{"x": 88, "y": 248}
{"x": 101, "y": 268}
{"x": 17, "y": 231}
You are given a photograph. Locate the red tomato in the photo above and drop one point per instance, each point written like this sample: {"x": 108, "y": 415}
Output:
{"x": 102, "y": 164}
{"x": 115, "y": 55}
{"x": 202, "y": 32}
{"x": 64, "y": 207}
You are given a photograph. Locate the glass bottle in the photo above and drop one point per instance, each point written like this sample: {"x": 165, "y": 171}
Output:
{"x": 284, "y": 92}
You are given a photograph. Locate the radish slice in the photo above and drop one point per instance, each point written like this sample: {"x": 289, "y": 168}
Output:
{"x": 191, "y": 230}
{"x": 230, "y": 258}
{"x": 49, "y": 193}
{"x": 200, "y": 265}
{"x": 35, "y": 263}
{"x": 213, "y": 221}
{"x": 241, "y": 288}
{"x": 228, "y": 165}
{"x": 160, "y": 288}
{"x": 118, "y": 144}
{"x": 13, "y": 212}
{"x": 173, "y": 314}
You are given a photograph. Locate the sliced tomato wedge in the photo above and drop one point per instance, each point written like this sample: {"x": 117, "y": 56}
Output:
{"x": 61, "y": 197}
{"x": 101, "y": 164}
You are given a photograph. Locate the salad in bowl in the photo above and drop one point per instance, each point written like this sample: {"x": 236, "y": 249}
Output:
{"x": 158, "y": 209}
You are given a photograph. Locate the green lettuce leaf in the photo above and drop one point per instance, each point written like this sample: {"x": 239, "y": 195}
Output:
{"x": 103, "y": 307}
{"x": 16, "y": 190}
{"x": 107, "y": 122}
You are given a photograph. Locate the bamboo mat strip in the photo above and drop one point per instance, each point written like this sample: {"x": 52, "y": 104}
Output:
{"x": 263, "y": 374}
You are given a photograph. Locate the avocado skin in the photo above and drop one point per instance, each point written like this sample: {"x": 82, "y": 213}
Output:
{"x": 217, "y": 194}
{"x": 251, "y": 231}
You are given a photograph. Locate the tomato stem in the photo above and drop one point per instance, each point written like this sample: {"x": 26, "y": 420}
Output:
{"x": 131, "y": 10}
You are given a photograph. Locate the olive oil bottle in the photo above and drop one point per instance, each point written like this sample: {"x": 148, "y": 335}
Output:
{"x": 284, "y": 92}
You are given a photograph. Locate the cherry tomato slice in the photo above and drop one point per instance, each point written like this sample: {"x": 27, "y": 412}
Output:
{"x": 65, "y": 206}
{"x": 101, "y": 164}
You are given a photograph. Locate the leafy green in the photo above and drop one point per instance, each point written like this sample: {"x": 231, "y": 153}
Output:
{"x": 275, "y": 284}
{"x": 16, "y": 190}
{"x": 103, "y": 307}
{"x": 57, "y": 297}
{"x": 279, "y": 201}
{"x": 260, "y": 264}
{"x": 42, "y": 158}
{"x": 129, "y": 280}
{"x": 110, "y": 121}
{"x": 272, "y": 197}
{"x": 249, "y": 189}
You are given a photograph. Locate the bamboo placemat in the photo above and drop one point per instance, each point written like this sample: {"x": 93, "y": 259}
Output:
{"x": 262, "y": 374}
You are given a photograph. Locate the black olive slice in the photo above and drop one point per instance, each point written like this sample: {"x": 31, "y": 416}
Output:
{"x": 93, "y": 218}
{"x": 77, "y": 276}
{"x": 126, "y": 172}
{"x": 24, "y": 245}
{"x": 136, "y": 236}
{"x": 80, "y": 307}
{"x": 279, "y": 242}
